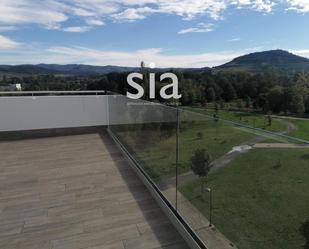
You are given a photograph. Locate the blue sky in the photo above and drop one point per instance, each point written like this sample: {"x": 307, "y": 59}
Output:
{"x": 169, "y": 33}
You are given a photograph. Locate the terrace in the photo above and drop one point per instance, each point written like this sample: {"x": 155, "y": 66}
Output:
{"x": 92, "y": 170}
{"x": 76, "y": 191}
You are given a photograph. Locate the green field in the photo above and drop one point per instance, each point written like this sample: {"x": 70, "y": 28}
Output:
{"x": 260, "y": 203}
{"x": 249, "y": 119}
{"x": 302, "y": 130}
{"x": 157, "y": 154}
{"x": 261, "y": 200}
{"x": 301, "y": 126}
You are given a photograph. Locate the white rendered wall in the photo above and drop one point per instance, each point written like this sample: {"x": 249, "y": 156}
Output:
{"x": 44, "y": 112}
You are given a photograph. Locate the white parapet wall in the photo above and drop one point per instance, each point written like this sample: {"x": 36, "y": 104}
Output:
{"x": 20, "y": 113}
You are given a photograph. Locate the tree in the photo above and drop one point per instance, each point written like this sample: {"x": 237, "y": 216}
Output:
{"x": 211, "y": 94}
{"x": 201, "y": 165}
{"x": 296, "y": 101}
{"x": 222, "y": 104}
{"x": 239, "y": 104}
{"x": 262, "y": 101}
{"x": 275, "y": 99}
{"x": 270, "y": 120}
{"x": 216, "y": 110}
{"x": 304, "y": 230}
{"x": 4, "y": 79}
{"x": 229, "y": 92}
{"x": 199, "y": 135}
{"x": 191, "y": 97}
{"x": 248, "y": 102}
{"x": 307, "y": 104}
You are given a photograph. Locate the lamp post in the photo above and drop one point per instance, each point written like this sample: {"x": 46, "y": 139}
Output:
{"x": 209, "y": 190}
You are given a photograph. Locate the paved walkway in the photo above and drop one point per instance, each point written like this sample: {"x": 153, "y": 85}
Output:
{"x": 281, "y": 146}
{"x": 289, "y": 117}
{"x": 211, "y": 236}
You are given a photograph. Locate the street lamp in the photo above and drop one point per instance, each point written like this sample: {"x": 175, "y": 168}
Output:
{"x": 209, "y": 190}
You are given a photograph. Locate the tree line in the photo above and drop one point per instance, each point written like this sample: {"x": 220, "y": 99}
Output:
{"x": 270, "y": 91}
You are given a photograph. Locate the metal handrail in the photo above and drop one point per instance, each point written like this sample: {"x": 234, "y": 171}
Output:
{"x": 36, "y": 93}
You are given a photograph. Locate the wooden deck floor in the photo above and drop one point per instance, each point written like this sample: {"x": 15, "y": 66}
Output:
{"x": 74, "y": 192}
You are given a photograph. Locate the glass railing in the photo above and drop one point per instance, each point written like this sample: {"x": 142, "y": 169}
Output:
{"x": 236, "y": 186}
{"x": 148, "y": 133}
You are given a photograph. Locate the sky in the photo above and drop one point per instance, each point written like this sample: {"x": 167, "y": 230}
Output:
{"x": 167, "y": 33}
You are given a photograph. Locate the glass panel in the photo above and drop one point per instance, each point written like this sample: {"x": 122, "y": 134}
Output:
{"x": 237, "y": 186}
{"x": 148, "y": 132}
{"x": 250, "y": 184}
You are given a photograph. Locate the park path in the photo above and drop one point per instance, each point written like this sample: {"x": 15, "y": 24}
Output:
{"x": 280, "y": 146}
{"x": 293, "y": 118}
{"x": 291, "y": 127}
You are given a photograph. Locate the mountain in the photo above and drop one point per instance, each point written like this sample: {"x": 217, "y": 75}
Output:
{"x": 260, "y": 61}
{"x": 23, "y": 69}
{"x": 254, "y": 62}
{"x": 79, "y": 69}
{"x": 71, "y": 69}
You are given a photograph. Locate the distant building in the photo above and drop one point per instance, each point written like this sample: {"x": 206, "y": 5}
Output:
{"x": 11, "y": 87}
{"x": 18, "y": 87}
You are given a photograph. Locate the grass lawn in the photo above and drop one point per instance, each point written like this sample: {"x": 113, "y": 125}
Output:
{"x": 302, "y": 131}
{"x": 157, "y": 154}
{"x": 217, "y": 139}
{"x": 260, "y": 203}
{"x": 254, "y": 120}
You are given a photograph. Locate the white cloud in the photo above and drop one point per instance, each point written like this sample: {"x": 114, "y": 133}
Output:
{"x": 53, "y": 13}
{"x": 264, "y": 5}
{"x": 82, "y": 12}
{"x": 259, "y": 5}
{"x": 299, "y": 5}
{"x": 29, "y": 11}
{"x": 234, "y": 40}
{"x": 95, "y": 22}
{"x": 7, "y": 43}
{"x": 7, "y": 28}
{"x": 201, "y": 28}
{"x": 301, "y": 52}
{"x": 132, "y": 14}
{"x": 76, "y": 29}
{"x": 190, "y": 9}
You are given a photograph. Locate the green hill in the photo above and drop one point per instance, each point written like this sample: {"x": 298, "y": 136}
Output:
{"x": 261, "y": 61}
